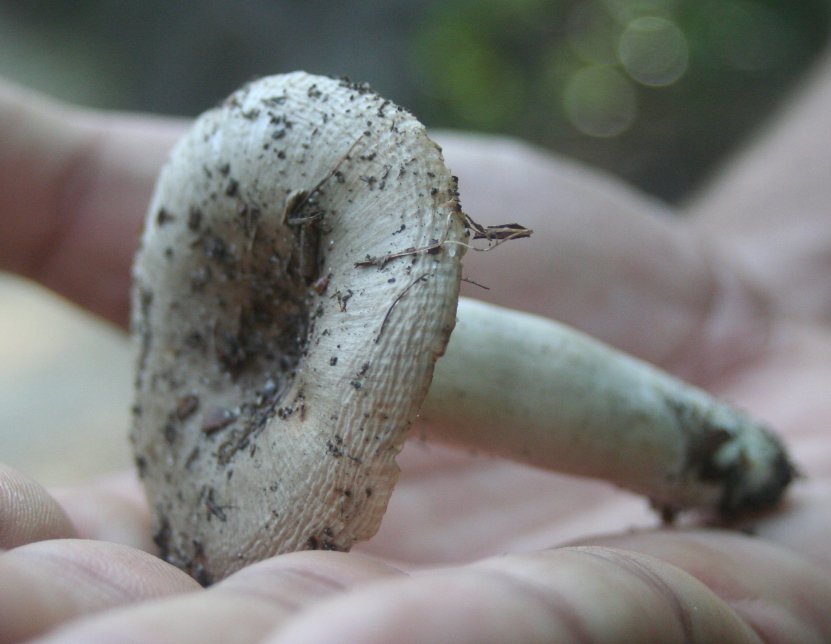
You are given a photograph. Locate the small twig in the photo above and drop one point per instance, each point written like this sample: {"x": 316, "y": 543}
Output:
{"x": 470, "y": 281}
{"x": 383, "y": 260}
{"x": 500, "y": 233}
{"x": 421, "y": 278}
{"x": 299, "y": 198}
{"x": 496, "y": 235}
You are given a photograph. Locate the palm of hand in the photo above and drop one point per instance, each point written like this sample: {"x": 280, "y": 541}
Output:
{"x": 452, "y": 508}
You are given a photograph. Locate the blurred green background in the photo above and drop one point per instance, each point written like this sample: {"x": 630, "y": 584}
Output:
{"x": 654, "y": 90}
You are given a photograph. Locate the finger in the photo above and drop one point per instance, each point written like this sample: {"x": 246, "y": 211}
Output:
{"x": 770, "y": 204}
{"x": 803, "y": 523}
{"x": 605, "y": 259}
{"x": 566, "y": 595}
{"x": 111, "y": 509}
{"x": 28, "y": 512}
{"x": 452, "y": 505}
{"x": 74, "y": 186}
{"x": 781, "y": 595}
{"x": 788, "y": 388}
{"x": 241, "y": 608}
{"x": 50, "y": 582}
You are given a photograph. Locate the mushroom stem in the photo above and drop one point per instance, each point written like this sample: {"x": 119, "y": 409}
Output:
{"x": 541, "y": 393}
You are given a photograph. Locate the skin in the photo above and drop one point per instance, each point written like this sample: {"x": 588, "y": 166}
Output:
{"x": 739, "y": 308}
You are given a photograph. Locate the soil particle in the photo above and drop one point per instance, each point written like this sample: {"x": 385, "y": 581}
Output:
{"x": 186, "y": 406}
{"x": 163, "y": 217}
{"x": 194, "y": 219}
{"x": 216, "y": 419}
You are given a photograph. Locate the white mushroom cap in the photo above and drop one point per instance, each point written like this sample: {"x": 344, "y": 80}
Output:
{"x": 279, "y": 369}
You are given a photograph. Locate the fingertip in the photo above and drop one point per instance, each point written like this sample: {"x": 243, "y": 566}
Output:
{"x": 50, "y": 582}
{"x": 28, "y": 512}
{"x": 782, "y": 595}
{"x": 110, "y": 509}
{"x": 309, "y": 572}
{"x": 587, "y": 594}
{"x": 244, "y": 607}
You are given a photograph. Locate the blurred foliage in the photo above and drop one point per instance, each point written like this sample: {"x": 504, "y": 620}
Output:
{"x": 655, "y": 91}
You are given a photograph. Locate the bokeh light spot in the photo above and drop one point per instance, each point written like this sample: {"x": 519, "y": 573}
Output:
{"x": 653, "y": 51}
{"x": 600, "y": 101}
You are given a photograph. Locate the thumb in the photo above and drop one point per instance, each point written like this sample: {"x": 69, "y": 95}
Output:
{"x": 74, "y": 186}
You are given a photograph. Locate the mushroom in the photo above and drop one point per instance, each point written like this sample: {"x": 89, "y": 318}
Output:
{"x": 297, "y": 280}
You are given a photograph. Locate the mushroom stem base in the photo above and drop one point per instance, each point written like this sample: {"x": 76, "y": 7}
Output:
{"x": 541, "y": 393}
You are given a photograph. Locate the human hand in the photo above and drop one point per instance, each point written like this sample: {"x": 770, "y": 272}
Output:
{"x": 615, "y": 588}
{"x": 451, "y": 508}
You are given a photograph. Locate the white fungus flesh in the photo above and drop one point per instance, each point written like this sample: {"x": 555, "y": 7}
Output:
{"x": 282, "y": 352}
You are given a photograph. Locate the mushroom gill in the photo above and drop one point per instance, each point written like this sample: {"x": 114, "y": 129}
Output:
{"x": 292, "y": 292}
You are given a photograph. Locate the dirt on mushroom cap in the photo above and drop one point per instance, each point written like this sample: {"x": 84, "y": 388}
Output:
{"x": 278, "y": 366}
